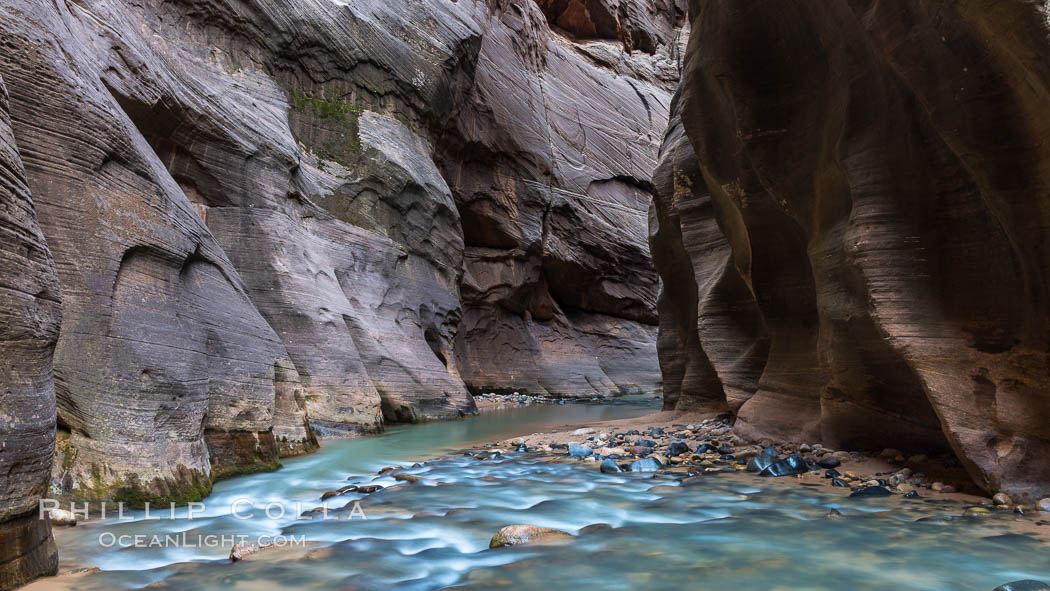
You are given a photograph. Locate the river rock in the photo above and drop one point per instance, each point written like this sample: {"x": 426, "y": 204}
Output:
{"x": 677, "y": 448}
{"x": 644, "y": 465}
{"x": 789, "y": 466}
{"x": 577, "y": 450}
{"x": 517, "y": 535}
{"x": 829, "y": 462}
{"x": 609, "y": 467}
{"x": 1002, "y": 499}
{"x": 1043, "y": 505}
{"x": 763, "y": 460}
{"x": 829, "y": 306}
{"x": 595, "y": 528}
{"x": 871, "y": 491}
{"x": 61, "y": 517}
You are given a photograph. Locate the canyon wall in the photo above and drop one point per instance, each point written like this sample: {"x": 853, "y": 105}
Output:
{"x": 29, "y": 319}
{"x": 852, "y": 223}
{"x": 549, "y": 158}
{"x": 281, "y": 219}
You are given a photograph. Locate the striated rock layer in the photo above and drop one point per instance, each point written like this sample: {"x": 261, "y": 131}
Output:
{"x": 278, "y": 219}
{"x": 29, "y": 319}
{"x": 549, "y": 158}
{"x": 852, "y": 228}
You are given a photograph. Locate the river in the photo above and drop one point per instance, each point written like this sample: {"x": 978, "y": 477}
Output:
{"x": 734, "y": 532}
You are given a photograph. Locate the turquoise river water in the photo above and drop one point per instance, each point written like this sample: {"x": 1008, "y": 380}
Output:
{"x": 731, "y": 532}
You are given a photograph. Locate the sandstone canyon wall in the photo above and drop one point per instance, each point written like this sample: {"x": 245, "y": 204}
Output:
{"x": 852, "y": 227}
{"x": 278, "y": 219}
{"x": 29, "y": 319}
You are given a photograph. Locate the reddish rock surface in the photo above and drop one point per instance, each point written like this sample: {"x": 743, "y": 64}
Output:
{"x": 856, "y": 252}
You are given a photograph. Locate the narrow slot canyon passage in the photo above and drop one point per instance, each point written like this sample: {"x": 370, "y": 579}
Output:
{"x": 478, "y": 294}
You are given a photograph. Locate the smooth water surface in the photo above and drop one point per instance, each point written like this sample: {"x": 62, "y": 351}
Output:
{"x": 733, "y": 532}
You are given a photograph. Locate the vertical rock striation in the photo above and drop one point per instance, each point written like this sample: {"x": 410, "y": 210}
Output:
{"x": 29, "y": 318}
{"x": 549, "y": 159}
{"x": 282, "y": 218}
{"x": 856, "y": 249}
{"x": 164, "y": 370}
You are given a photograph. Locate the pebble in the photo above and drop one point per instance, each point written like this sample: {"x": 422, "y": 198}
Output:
{"x": 1043, "y": 505}
{"x": 1002, "y": 499}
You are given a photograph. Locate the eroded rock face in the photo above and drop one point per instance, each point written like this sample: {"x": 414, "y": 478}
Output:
{"x": 549, "y": 159}
{"x": 865, "y": 221}
{"x": 164, "y": 369}
{"x": 272, "y": 219}
{"x": 29, "y": 318}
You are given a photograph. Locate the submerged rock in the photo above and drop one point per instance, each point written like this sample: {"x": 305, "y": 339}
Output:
{"x": 517, "y": 535}
{"x": 595, "y": 527}
{"x": 1024, "y": 585}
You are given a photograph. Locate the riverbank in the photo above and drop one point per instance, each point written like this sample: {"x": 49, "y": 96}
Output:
{"x": 708, "y": 445}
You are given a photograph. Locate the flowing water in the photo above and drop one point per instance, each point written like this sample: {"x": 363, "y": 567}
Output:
{"x": 734, "y": 532}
